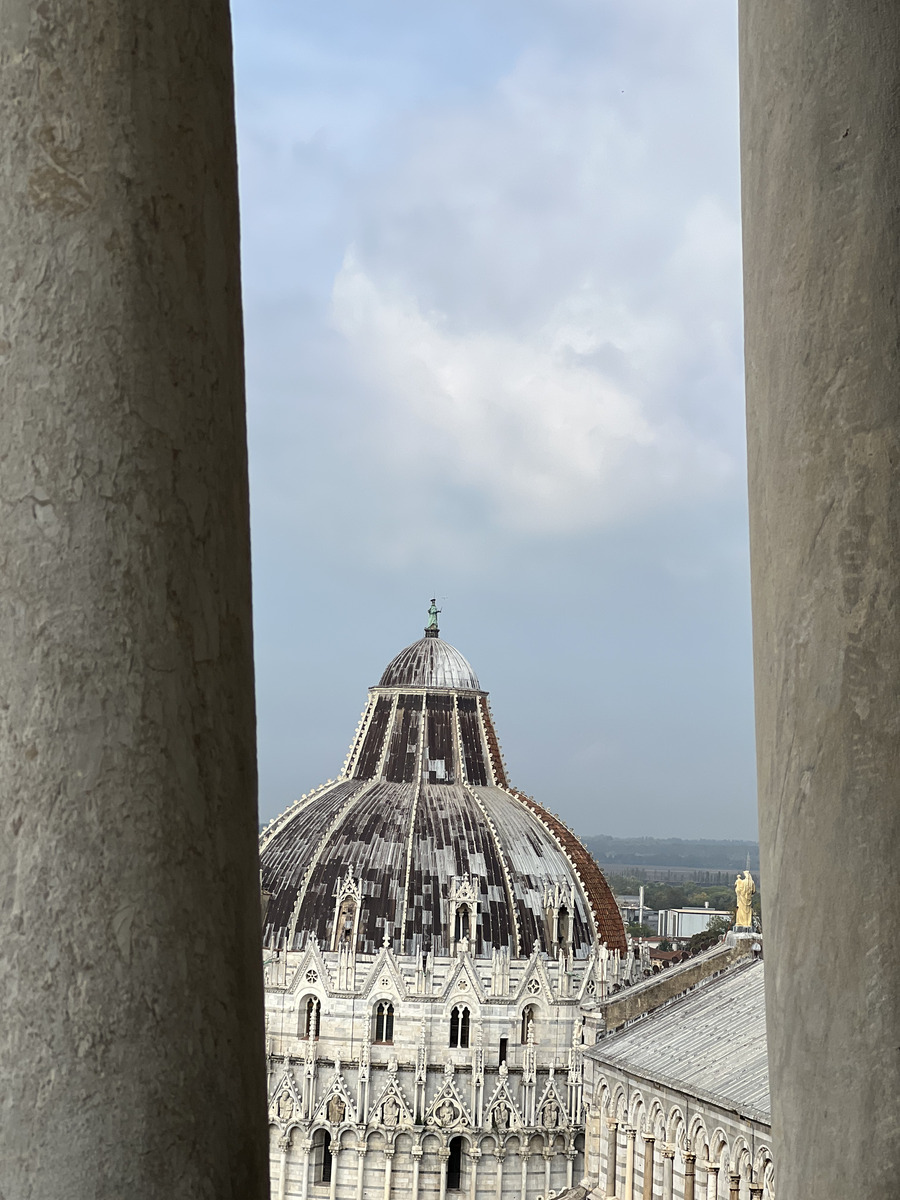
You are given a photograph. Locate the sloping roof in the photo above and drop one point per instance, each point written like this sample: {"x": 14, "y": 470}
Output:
{"x": 710, "y": 1043}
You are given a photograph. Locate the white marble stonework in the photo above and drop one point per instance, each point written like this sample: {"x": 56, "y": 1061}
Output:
{"x": 392, "y": 1110}
{"x": 434, "y": 940}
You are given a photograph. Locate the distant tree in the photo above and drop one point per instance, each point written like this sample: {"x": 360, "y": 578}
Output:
{"x": 719, "y": 925}
{"x": 638, "y": 930}
{"x": 665, "y": 944}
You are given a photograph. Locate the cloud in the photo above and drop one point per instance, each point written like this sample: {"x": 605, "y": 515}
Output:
{"x": 552, "y": 442}
{"x": 542, "y": 304}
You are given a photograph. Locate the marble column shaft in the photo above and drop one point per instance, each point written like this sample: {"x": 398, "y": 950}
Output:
{"x": 612, "y": 1147}
{"x": 630, "y": 1135}
{"x": 690, "y": 1167}
{"x": 668, "y": 1185}
{"x": 388, "y": 1164}
{"x": 820, "y": 109}
{"x": 649, "y": 1144}
{"x": 130, "y": 969}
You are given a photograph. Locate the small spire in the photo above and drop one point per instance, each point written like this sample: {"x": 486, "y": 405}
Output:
{"x": 431, "y": 629}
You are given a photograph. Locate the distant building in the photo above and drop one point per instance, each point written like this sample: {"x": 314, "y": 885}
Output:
{"x": 685, "y": 922}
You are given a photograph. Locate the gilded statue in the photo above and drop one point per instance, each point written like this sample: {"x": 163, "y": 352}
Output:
{"x": 745, "y": 889}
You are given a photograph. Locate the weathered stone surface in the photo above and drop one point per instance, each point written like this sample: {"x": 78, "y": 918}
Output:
{"x": 131, "y": 1042}
{"x": 820, "y": 94}
{"x": 645, "y": 997}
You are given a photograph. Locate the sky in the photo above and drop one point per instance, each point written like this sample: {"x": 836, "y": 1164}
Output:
{"x": 491, "y": 257}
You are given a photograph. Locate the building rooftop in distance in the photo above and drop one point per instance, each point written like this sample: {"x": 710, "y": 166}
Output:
{"x": 710, "y": 1043}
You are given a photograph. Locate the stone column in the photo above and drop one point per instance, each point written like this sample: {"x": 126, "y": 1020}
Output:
{"x": 304, "y": 1184}
{"x": 571, "y": 1155}
{"x": 820, "y": 107}
{"x": 524, "y": 1155}
{"x": 668, "y": 1181}
{"x": 417, "y": 1163}
{"x": 361, "y": 1151}
{"x": 284, "y": 1145}
{"x": 756, "y": 1191}
{"x": 334, "y": 1149}
{"x": 130, "y": 970}
{"x": 498, "y": 1189}
{"x": 649, "y": 1143}
{"x": 388, "y": 1163}
{"x": 443, "y": 1156}
{"x": 734, "y": 1187}
{"x": 547, "y": 1156}
{"x": 612, "y": 1147}
{"x": 690, "y": 1167}
{"x": 474, "y": 1156}
{"x": 712, "y": 1181}
{"x": 630, "y": 1135}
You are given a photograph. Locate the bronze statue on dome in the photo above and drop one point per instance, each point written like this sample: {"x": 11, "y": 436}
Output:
{"x": 432, "y": 626}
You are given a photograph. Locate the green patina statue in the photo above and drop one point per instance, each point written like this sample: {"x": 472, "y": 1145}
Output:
{"x": 432, "y": 615}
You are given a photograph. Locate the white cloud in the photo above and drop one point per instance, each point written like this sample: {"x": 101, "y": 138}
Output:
{"x": 552, "y": 442}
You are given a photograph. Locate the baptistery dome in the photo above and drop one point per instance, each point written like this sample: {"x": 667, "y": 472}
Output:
{"x": 422, "y": 803}
{"x": 435, "y": 941}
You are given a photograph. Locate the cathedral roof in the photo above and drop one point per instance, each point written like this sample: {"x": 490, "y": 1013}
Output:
{"x": 423, "y": 818}
{"x": 709, "y": 1043}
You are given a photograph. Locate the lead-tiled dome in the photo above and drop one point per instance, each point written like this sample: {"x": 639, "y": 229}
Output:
{"x": 430, "y": 663}
{"x": 421, "y": 825}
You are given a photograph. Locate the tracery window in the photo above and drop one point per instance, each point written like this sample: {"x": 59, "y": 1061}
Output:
{"x": 311, "y": 1018}
{"x": 384, "y": 1022}
{"x": 562, "y": 927}
{"x": 462, "y": 923}
{"x": 343, "y": 932}
{"x": 528, "y": 1018}
{"x": 459, "y": 1026}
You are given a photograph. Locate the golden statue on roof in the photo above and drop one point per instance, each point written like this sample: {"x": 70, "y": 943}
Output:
{"x": 745, "y": 889}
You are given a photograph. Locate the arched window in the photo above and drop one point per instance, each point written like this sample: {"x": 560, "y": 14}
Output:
{"x": 343, "y": 931}
{"x": 459, "y": 1026}
{"x": 528, "y": 1016}
{"x": 562, "y": 927}
{"x": 321, "y": 1156}
{"x": 454, "y": 1164}
{"x": 311, "y": 1019}
{"x": 384, "y": 1022}
{"x": 462, "y": 923}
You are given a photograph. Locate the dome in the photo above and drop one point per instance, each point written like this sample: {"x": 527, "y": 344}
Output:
{"x": 422, "y": 823}
{"x": 430, "y": 663}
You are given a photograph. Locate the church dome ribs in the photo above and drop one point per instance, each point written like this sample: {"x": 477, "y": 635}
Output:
{"x": 425, "y": 822}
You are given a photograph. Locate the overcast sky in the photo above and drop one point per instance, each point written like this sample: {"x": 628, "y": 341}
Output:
{"x": 492, "y": 292}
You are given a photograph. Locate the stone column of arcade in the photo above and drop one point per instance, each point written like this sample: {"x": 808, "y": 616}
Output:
{"x": 690, "y": 1168}
{"x": 474, "y": 1157}
{"x": 668, "y": 1181}
{"x": 131, "y": 1045}
{"x": 820, "y": 108}
{"x": 498, "y": 1183}
{"x": 630, "y": 1134}
{"x": 649, "y": 1144}
{"x": 612, "y": 1146}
